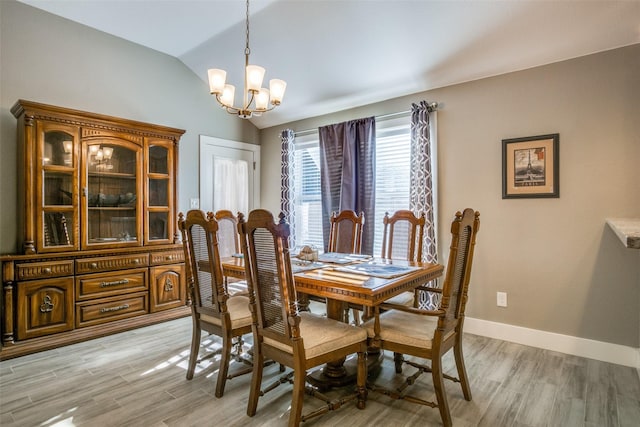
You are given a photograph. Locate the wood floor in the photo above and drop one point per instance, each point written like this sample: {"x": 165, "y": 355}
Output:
{"x": 137, "y": 378}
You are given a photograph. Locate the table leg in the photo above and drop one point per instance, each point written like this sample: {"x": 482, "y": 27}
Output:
{"x": 342, "y": 371}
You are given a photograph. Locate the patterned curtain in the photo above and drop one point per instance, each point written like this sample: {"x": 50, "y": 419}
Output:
{"x": 287, "y": 186}
{"x": 347, "y": 172}
{"x": 421, "y": 187}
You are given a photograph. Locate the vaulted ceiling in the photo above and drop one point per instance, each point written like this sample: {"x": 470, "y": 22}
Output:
{"x": 339, "y": 54}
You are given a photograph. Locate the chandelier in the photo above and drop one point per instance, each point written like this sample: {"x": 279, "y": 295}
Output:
{"x": 255, "y": 99}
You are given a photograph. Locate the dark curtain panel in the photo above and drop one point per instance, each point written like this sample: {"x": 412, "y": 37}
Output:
{"x": 347, "y": 165}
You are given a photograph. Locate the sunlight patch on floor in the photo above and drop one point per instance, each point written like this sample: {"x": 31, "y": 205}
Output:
{"x": 59, "y": 421}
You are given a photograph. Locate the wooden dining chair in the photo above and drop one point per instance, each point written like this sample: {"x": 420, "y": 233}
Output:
{"x": 402, "y": 239}
{"x": 345, "y": 236}
{"x": 345, "y": 232}
{"x": 228, "y": 238}
{"x": 402, "y": 235}
{"x": 229, "y": 245}
{"x": 429, "y": 334}
{"x": 212, "y": 309}
{"x": 299, "y": 340}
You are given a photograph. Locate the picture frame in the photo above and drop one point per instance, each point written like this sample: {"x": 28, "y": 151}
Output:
{"x": 531, "y": 167}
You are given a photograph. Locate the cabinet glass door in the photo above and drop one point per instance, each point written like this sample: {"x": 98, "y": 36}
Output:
{"x": 111, "y": 192}
{"x": 57, "y": 198}
{"x": 159, "y": 193}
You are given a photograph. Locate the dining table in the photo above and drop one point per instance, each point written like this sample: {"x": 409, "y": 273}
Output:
{"x": 344, "y": 279}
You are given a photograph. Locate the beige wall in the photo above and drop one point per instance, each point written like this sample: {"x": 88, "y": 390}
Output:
{"x": 563, "y": 269}
{"x": 48, "y": 59}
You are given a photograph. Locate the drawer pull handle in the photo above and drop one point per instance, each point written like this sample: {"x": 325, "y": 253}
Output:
{"x": 118, "y": 308}
{"x": 169, "y": 257}
{"x": 93, "y": 265}
{"x": 168, "y": 285}
{"x": 135, "y": 262}
{"x": 46, "y": 306}
{"x": 46, "y": 270}
{"x": 114, "y": 283}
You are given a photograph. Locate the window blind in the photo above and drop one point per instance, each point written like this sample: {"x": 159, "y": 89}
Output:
{"x": 393, "y": 166}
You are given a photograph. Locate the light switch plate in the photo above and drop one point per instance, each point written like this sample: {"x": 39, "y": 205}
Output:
{"x": 502, "y": 299}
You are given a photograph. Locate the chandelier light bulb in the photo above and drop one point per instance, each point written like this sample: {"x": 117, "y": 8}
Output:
{"x": 255, "y": 74}
{"x": 277, "y": 88}
{"x": 228, "y": 95}
{"x": 217, "y": 79}
{"x": 262, "y": 99}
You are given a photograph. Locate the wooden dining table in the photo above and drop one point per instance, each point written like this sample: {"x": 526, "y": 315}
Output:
{"x": 341, "y": 285}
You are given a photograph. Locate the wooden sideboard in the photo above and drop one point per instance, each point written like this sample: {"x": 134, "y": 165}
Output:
{"x": 100, "y": 250}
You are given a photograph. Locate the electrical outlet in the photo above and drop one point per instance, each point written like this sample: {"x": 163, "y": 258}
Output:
{"x": 502, "y": 299}
{"x": 195, "y": 203}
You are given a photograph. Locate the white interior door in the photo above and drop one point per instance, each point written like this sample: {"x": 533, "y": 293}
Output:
{"x": 229, "y": 175}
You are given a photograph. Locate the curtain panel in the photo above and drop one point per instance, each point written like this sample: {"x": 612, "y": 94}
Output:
{"x": 287, "y": 182}
{"x": 421, "y": 188}
{"x": 347, "y": 165}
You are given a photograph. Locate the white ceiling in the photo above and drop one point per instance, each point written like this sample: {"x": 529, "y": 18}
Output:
{"x": 339, "y": 54}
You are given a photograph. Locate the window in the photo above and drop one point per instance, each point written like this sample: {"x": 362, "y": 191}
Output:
{"x": 307, "y": 205}
{"x": 393, "y": 167}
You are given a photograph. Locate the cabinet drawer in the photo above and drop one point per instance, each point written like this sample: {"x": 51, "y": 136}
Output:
{"x": 109, "y": 309}
{"x": 167, "y": 257}
{"x": 108, "y": 284}
{"x": 108, "y": 263}
{"x": 43, "y": 270}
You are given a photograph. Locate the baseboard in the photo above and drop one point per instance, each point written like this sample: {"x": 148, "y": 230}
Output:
{"x": 606, "y": 352}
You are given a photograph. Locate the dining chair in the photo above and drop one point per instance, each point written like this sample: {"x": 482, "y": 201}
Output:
{"x": 402, "y": 235}
{"x": 212, "y": 309}
{"x": 430, "y": 334}
{"x": 299, "y": 340}
{"x": 229, "y": 245}
{"x": 345, "y": 232}
{"x": 402, "y": 239}
{"x": 345, "y": 236}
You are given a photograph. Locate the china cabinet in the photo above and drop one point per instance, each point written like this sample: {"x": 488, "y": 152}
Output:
{"x": 100, "y": 252}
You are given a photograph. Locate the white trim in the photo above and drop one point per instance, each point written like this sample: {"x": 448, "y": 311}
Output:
{"x": 606, "y": 352}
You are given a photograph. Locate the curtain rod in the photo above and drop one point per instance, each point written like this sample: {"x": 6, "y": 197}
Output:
{"x": 433, "y": 106}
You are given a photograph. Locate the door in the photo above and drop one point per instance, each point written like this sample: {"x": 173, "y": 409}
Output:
{"x": 229, "y": 175}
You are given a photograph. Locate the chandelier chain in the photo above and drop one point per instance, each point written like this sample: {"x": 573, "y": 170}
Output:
{"x": 247, "y": 50}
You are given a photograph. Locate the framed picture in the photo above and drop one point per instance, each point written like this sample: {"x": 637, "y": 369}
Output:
{"x": 530, "y": 167}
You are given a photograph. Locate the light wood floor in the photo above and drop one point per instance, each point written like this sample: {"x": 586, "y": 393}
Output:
{"x": 137, "y": 378}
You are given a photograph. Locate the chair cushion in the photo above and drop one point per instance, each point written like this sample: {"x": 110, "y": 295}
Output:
{"x": 404, "y": 328}
{"x": 322, "y": 335}
{"x": 238, "y": 307}
{"x": 405, "y": 298}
